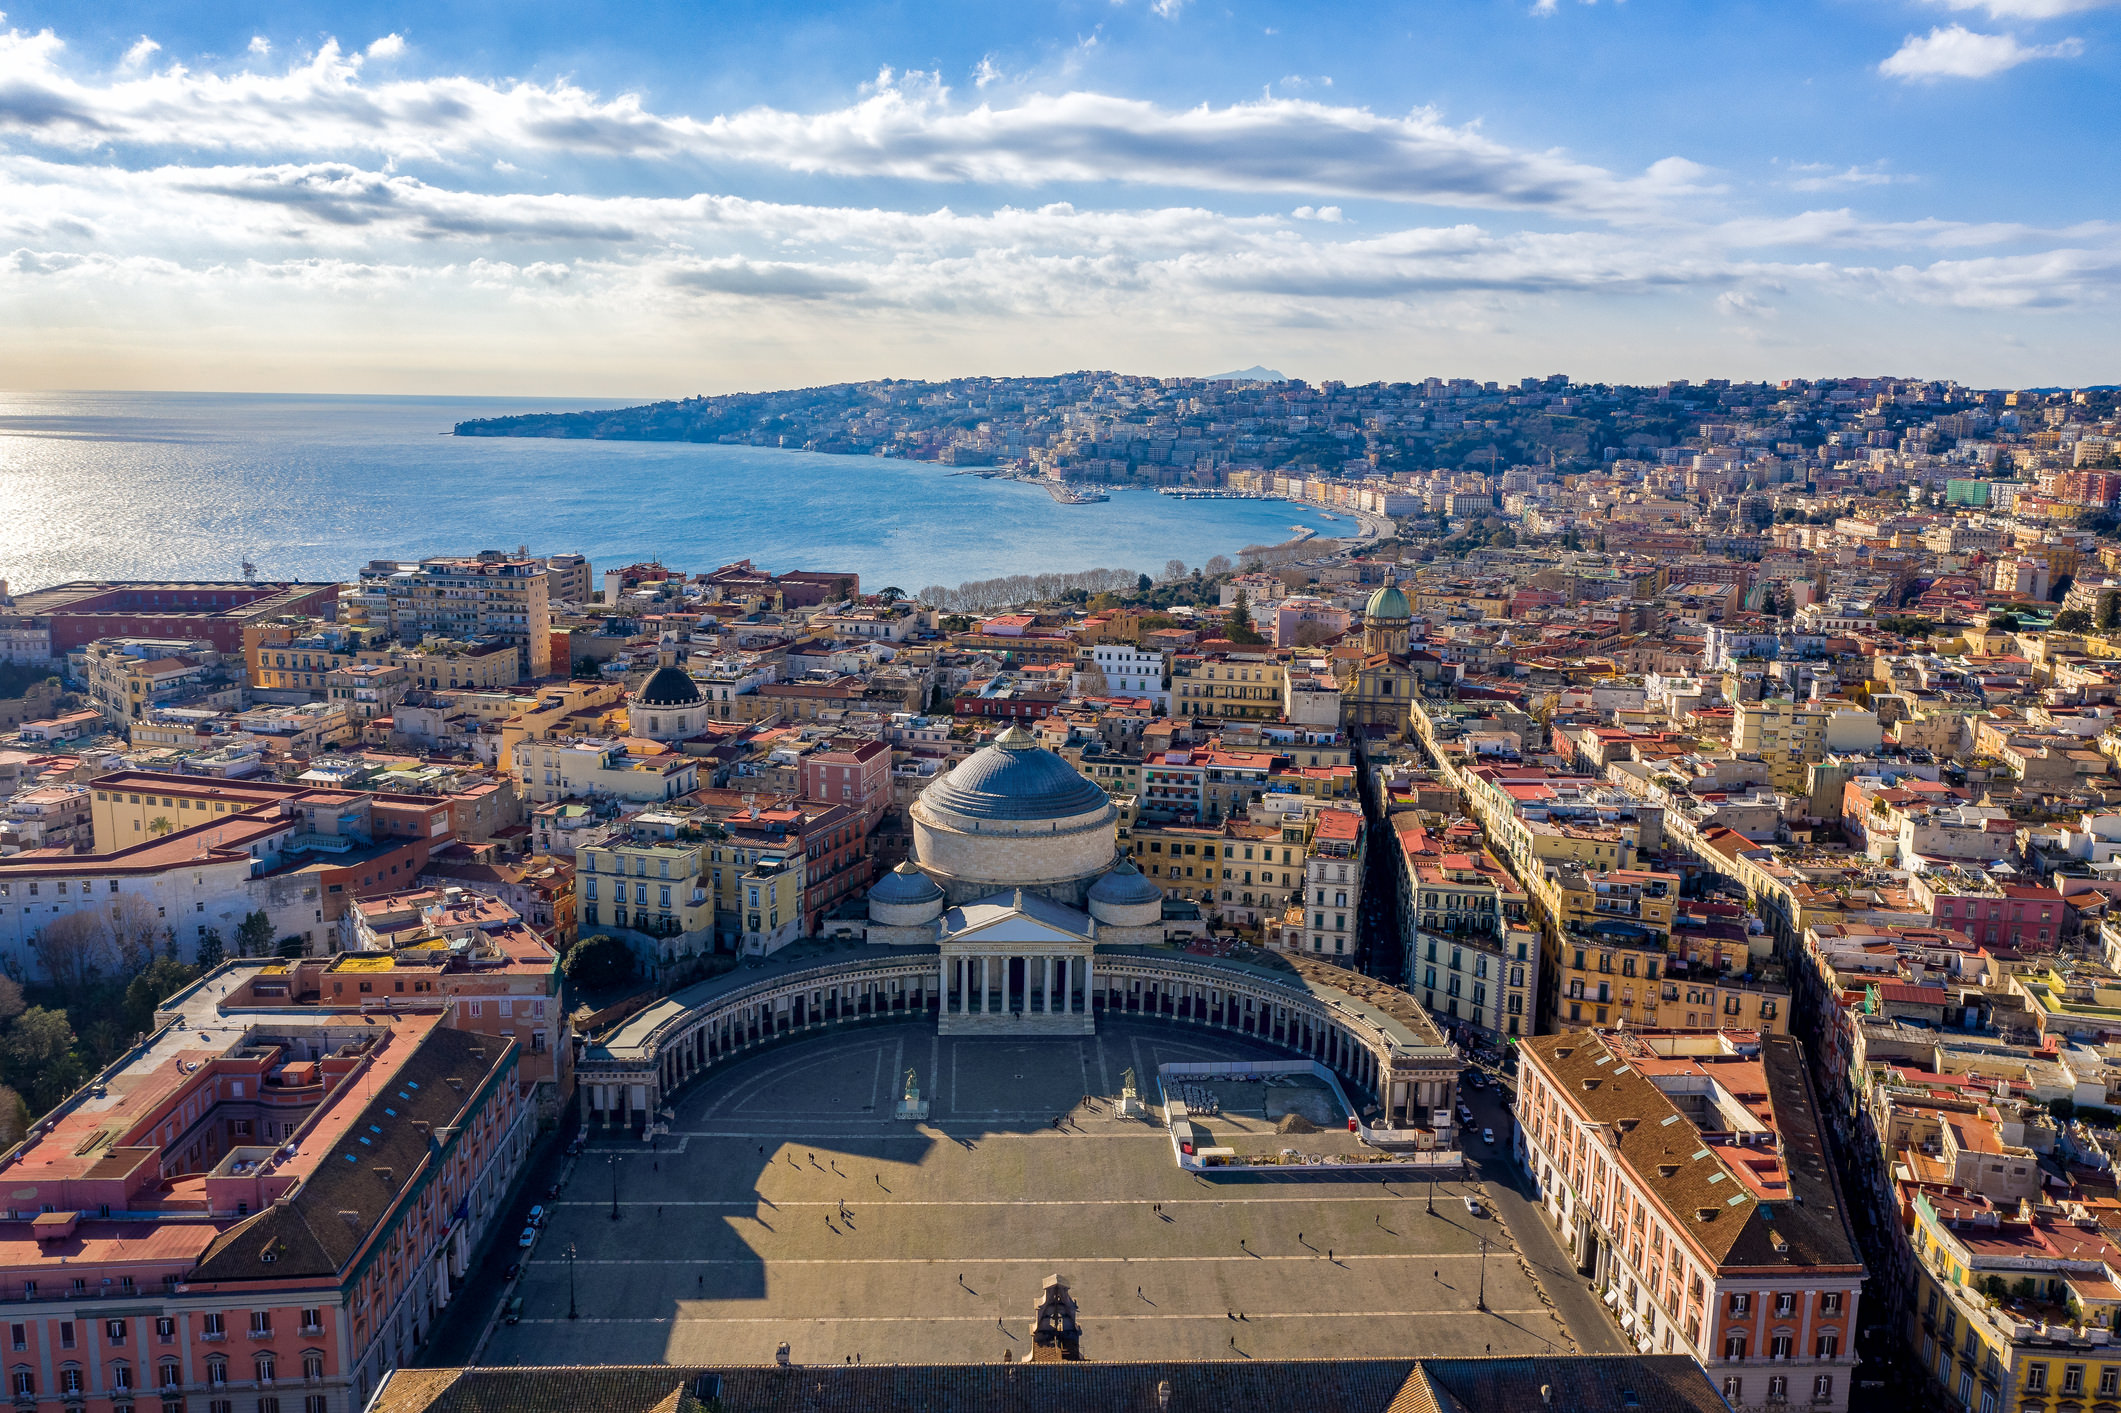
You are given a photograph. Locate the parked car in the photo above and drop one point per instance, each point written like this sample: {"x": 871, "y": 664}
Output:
{"x": 528, "y": 1238}
{"x": 1473, "y": 1206}
{"x": 514, "y": 1267}
{"x": 515, "y": 1311}
{"x": 1487, "y": 1135}
{"x": 537, "y": 1216}
{"x": 1465, "y": 1115}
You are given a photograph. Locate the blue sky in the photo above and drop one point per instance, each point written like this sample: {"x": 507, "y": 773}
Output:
{"x": 660, "y": 198}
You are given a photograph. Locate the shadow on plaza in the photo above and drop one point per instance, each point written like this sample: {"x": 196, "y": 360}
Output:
{"x": 703, "y": 1212}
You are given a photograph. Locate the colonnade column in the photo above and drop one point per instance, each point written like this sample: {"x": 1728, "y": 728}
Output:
{"x": 1089, "y": 973}
{"x": 1045, "y": 987}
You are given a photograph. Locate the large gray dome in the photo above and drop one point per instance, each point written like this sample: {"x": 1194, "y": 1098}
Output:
{"x": 1014, "y": 779}
{"x": 669, "y": 686}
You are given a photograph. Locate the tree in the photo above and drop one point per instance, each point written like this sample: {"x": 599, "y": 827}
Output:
{"x": 2109, "y": 611}
{"x": 11, "y": 1002}
{"x": 1217, "y": 565}
{"x": 163, "y": 979}
{"x": 2073, "y": 620}
{"x": 2004, "y": 623}
{"x": 211, "y": 952}
{"x": 160, "y": 825}
{"x": 891, "y": 595}
{"x": 1143, "y": 583}
{"x": 14, "y": 1118}
{"x": 598, "y": 962}
{"x": 38, "y": 1052}
{"x": 134, "y": 930}
{"x": 74, "y": 949}
{"x": 1239, "y": 624}
{"x": 253, "y": 935}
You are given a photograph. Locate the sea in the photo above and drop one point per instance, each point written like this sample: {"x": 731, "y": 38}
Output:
{"x": 122, "y": 485}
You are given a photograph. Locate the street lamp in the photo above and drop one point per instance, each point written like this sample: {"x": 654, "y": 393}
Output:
{"x": 572, "y": 1313}
{"x": 614, "y": 1161}
{"x": 1482, "y": 1302}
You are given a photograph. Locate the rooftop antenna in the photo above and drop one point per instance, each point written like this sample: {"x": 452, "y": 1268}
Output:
{"x": 250, "y": 572}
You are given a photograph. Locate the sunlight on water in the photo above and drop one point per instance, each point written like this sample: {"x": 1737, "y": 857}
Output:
{"x": 145, "y": 486}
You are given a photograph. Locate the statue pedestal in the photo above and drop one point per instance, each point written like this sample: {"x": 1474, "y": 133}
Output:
{"x": 1131, "y": 1107}
{"x": 912, "y": 1107}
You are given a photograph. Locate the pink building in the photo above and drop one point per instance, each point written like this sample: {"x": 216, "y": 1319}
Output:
{"x": 258, "y": 1211}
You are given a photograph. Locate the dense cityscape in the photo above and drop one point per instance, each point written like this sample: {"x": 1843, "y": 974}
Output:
{"x": 1675, "y": 829}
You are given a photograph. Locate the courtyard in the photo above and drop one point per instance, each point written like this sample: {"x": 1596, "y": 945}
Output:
{"x": 787, "y": 1204}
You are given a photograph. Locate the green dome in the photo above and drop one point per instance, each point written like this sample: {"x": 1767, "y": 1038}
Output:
{"x": 1388, "y": 602}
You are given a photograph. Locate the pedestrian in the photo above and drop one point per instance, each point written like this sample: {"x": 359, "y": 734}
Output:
{"x": 1491, "y": 1349}
{"x": 1299, "y": 1237}
{"x": 659, "y": 1213}
{"x": 1137, "y": 1290}
{"x": 701, "y": 1281}
{"x": 1329, "y": 1253}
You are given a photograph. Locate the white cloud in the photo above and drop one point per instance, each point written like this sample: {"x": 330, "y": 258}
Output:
{"x": 142, "y": 50}
{"x": 1820, "y": 176}
{"x": 987, "y": 72}
{"x": 390, "y": 46}
{"x": 1167, "y": 8}
{"x": 260, "y": 45}
{"x": 1954, "y": 51}
{"x": 905, "y": 127}
{"x": 2026, "y": 9}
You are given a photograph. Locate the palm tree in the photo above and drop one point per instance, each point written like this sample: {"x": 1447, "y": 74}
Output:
{"x": 160, "y": 825}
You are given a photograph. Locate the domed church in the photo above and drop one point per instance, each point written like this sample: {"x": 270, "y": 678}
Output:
{"x": 669, "y": 706}
{"x": 1016, "y": 874}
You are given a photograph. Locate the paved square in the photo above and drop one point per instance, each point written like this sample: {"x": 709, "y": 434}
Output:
{"x": 733, "y": 1237}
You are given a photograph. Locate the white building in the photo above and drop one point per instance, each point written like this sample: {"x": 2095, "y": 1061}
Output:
{"x": 1128, "y": 672}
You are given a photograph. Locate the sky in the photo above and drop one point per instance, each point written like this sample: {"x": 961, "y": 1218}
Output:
{"x": 656, "y": 198}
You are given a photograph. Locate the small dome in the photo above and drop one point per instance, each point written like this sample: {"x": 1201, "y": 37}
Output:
{"x": 1123, "y": 886}
{"x": 1015, "y": 779}
{"x": 905, "y": 885}
{"x": 669, "y": 686}
{"x": 1388, "y": 602}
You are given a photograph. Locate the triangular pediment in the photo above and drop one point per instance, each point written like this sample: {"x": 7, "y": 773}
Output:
{"x": 1013, "y": 926}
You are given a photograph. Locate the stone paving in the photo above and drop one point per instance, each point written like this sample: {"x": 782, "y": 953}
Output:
{"x": 733, "y": 1236}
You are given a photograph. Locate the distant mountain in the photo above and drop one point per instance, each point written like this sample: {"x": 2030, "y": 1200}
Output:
{"x": 1253, "y": 374}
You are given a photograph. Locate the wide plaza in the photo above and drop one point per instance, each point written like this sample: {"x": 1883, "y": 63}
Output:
{"x": 786, "y": 1203}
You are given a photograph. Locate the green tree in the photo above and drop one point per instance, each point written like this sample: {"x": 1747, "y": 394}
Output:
{"x": 160, "y": 825}
{"x": 1143, "y": 583}
{"x": 14, "y": 1118}
{"x": 164, "y": 978}
{"x": 211, "y": 952}
{"x": 598, "y": 962}
{"x": 1239, "y": 623}
{"x": 891, "y": 594}
{"x": 38, "y": 1052}
{"x": 291, "y": 946}
{"x": 2109, "y": 611}
{"x": 2073, "y": 620}
{"x": 11, "y": 1002}
{"x": 253, "y": 935}
{"x": 2004, "y": 622}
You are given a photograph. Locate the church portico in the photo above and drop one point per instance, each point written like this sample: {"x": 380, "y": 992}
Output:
{"x": 1016, "y": 965}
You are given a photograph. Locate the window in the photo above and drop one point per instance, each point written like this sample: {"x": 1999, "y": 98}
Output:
{"x": 66, "y": 1334}
{"x": 2109, "y": 1380}
{"x": 171, "y": 1374}
{"x": 1741, "y": 1303}
{"x": 312, "y": 1320}
{"x": 121, "y": 1375}
{"x": 312, "y": 1366}
{"x": 1786, "y": 1302}
{"x": 114, "y": 1331}
{"x": 165, "y": 1331}
{"x": 315, "y": 1403}
{"x": 217, "y": 1371}
{"x": 265, "y": 1368}
{"x": 268, "y": 1405}
{"x": 70, "y": 1380}
{"x": 1778, "y": 1389}
{"x": 1733, "y": 1390}
{"x": 1780, "y": 1347}
{"x": 1734, "y": 1346}
{"x": 1830, "y": 1303}
{"x": 2036, "y": 1378}
{"x": 260, "y": 1323}
{"x": 1823, "y": 1390}
{"x": 2073, "y": 1378}
{"x": 25, "y": 1382}
{"x": 210, "y": 1327}
{"x": 19, "y": 1336}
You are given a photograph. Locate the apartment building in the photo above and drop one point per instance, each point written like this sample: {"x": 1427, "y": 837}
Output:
{"x": 1331, "y": 905}
{"x": 486, "y": 595}
{"x": 128, "y": 678}
{"x": 1121, "y": 670}
{"x": 1204, "y": 783}
{"x": 638, "y": 771}
{"x": 1245, "y": 873}
{"x": 1471, "y": 952}
{"x": 1687, "y": 1177}
{"x": 1791, "y": 735}
{"x": 1228, "y": 686}
{"x": 266, "y": 1206}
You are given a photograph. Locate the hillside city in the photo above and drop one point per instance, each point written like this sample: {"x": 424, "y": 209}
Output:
{"x": 1722, "y": 778}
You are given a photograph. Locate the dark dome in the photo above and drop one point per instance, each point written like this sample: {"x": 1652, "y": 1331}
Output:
{"x": 904, "y": 884}
{"x": 669, "y": 686}
{"x": 1015, "y": 779}
{"x": 1123, "y": 886}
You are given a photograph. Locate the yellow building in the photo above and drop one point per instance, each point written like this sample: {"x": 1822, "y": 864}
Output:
{"x": 1242, "y": 872}
{"x": 443, "y": 664}
{"x": 650, "y": 885}
{"x": 486, "y": 595}
{"x": 1788, "y": 735}
{"x": 295, "y": 654}
{"x": 1230, "y": 686}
